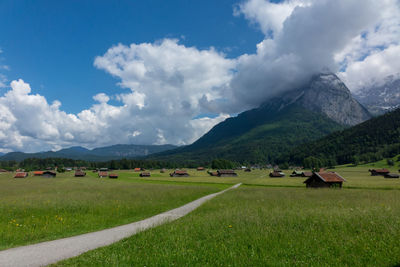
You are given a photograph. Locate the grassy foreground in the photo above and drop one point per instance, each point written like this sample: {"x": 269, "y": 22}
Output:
{"x": 37, "y": 209}
{"x": 261, "y": 226}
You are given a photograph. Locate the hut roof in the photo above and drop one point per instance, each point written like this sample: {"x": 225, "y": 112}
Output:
{"x": 21, "y": 175}
{"x": 137, "y": 169}
{"x": 307, "y": 174}
{"x": 330, "y": 177}
{"x": 113, "y": 175}
{"x": 297, "y": 172}
{"x": 103, "y": 174}
{"x": 200, "y": 168}
{"x": 380, "y": 170}
{"x": 180, "y": 172}
{"x": 145, "y": 174}
{"x": 37, "y": 172}
{"x": 3, "y": 170}
{"x": 80, "y": 173}
{"x": 226, "y": 172}
{"x": 276, "y": 174}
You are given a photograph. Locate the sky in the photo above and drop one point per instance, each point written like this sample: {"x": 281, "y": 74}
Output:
{"x": 97, "y": 73}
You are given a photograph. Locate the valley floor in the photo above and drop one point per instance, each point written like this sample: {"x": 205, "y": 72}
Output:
{"x": 267, "y": 221}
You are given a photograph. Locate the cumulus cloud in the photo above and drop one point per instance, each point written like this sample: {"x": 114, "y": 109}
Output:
{"x": 166, "y": 83}
{"x": 304, "y": 39}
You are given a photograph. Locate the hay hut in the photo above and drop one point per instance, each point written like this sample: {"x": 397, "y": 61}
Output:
{"x": 145, "y": 174}
{"x": 49, "y": 174}
{"x": 376, "y": 172}
{"x": 226, "y": 173}
{"x": 80, "y": 173}
{"x": 113, "y": 176}
{"x": 325, "y": 179}
{"x": 21, "y": 175}
{"x": 179, "y": 173}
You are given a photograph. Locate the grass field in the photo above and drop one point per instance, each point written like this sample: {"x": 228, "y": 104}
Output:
{"x": 261, "y": 226}
{"x": 36, "y": 209}
{"x": 267, "y": 221}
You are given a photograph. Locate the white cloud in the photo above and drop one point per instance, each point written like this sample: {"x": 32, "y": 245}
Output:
{"x": 269, "y": 16}
{"x": 166, "y": 83}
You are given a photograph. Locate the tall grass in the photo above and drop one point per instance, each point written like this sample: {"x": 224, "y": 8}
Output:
{"x": 261, "y": 226}
{"x": 38, "y": 209}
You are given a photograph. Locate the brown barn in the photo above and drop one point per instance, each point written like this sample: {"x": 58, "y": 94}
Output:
{"x": 21, "y": 175}
{"x": 3, "y": 170}
{"x": 37, "y": 173}
{"x": 213, "y": 173}
{"x": 325, "y": 179}
{"x": 276, "y": 174}
{"x": 145, "y": 174}
{"x": 103, "y": 174}
{"x": 179, "y": 173}
{"x": 200, "y": 168}
{"x": 80, "y": 174}
{"x": 226, "y": 173}
{"x": 392, "y": 175}
{"x": 247, "y": 170}
{"x": 376, "y": 172}
{"x": 306, "y": 174}
{"x": 49, "y": 174}
{"x": 113, "y": 176}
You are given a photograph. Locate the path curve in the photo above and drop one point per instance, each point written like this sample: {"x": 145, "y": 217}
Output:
{"x": 49, "y": 252}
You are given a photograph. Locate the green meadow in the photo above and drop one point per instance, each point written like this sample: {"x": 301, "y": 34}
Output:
{"x": 37, "y": 209}
{"x": 266, "y": 221}
{"x": 264, "y": 226}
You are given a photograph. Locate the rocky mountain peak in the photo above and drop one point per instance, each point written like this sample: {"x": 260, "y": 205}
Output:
{"x": 324, "y": 93}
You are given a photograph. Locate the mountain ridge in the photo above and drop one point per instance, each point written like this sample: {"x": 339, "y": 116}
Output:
{"x": 97, "y": 154}
{"x": 297, "y": 116}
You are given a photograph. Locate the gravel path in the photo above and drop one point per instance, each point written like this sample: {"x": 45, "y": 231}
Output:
{"x": 45, "y": 253}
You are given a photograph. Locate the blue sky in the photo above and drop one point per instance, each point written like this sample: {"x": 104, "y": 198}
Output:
{"x": 52, "y": 44}
{"x": 98, "y": 73}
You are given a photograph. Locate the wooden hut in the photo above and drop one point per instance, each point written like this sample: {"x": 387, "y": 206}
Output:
{"x": 113, "y": 176}
{"x": 80, "y": 173}
{"x": 247, "y": 170}
{"x": 49, "y": 174}
{"x": 145, "y": 174}
{"x": 296, "y": 173}
{"x": 200, "y": 169}
{"x": 37, "y": 173}
{"x": 102, "y": 174}
{"x": 276, "y": 174}
{"x": 392, "y": 175}
{"x": 376, "y": 172}
{"x": 306, "y": 174}
{"x": 212, "y": 173}
{"x": 178, "y": 173}
{"x": 226, "y": 173}
{"x": 21, "y": 175}
{"x": 163, "y": 170}
{"x": 3, "y": 170}
{"x": 137, "y": 170}
{"x": 325, "y": 179}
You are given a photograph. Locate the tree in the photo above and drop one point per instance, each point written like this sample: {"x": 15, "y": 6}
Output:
{"x": 221, "y": 164}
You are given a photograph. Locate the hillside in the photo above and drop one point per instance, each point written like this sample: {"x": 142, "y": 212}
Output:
{"x": 264, "y": 134}
{"x": 367, "y": 142}
{"x": 97, "y": 154}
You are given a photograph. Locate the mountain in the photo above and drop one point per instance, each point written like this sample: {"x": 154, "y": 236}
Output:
{"x": 1, "y": 154}
{"x": 97, "y": 154}
{"x": 381, "y": 98}
{"x": 370, "y": 141}
{"x": 264, "y": 134}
